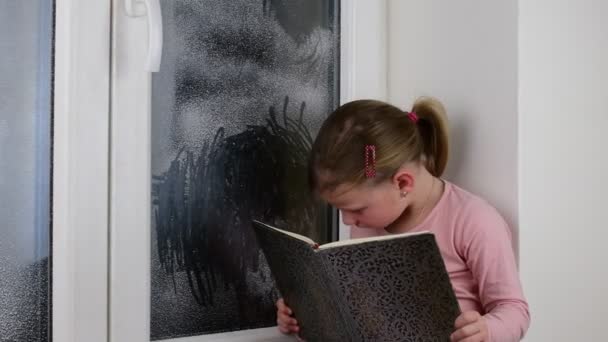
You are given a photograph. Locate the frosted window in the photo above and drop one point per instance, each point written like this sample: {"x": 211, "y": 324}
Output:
{"x": 243, "y": 88}
{"x": 26, "y": 31}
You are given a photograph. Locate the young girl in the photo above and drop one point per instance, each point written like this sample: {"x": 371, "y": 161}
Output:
{"x": 381, "y": 167}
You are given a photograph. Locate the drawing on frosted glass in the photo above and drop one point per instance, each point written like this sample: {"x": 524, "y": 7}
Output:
{"x": 243, "y": 88}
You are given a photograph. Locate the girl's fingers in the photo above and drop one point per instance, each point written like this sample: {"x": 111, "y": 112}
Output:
{"x": 283, "y": 329}
{"x": 285, "y": 322}
{"x": 475, "y": 338}
{"x": 287, "y": 328}
{"x": 466, "y": 318}
{"x": 286, "y": 319}
{"x": 282, "y": 307}
{"x": 461, "y": 334}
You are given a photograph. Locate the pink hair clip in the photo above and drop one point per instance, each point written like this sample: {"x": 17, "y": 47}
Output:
{"x": 413, "y": 116}
{"x": 370, "y": 161}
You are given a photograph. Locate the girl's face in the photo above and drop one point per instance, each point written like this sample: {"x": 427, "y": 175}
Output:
{"x": 367, "y": 206}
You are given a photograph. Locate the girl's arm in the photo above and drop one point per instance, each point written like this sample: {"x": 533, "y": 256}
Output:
{"x": 489, "y": 255}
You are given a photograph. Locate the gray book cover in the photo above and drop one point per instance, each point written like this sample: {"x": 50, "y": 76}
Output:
{"x": 390, "y": 288}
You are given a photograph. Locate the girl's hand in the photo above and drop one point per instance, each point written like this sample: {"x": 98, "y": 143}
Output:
{"x": 470, "y": 327}
{"x": 286, "y": 323}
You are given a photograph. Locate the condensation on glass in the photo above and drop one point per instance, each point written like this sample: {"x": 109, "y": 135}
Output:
{"x": 26, "y": 36}
{"x": 243, "y": 88}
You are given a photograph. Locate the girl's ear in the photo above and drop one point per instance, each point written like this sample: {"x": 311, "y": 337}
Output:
{"x": 403, "y": 180}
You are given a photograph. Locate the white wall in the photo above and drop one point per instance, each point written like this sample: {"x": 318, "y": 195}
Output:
{"x": 563, "y": 107}
{"x": 465, "y": 54}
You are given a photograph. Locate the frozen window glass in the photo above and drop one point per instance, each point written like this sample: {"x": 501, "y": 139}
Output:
{"x": 26, "y": 35}
{"x": 243, "y": 88}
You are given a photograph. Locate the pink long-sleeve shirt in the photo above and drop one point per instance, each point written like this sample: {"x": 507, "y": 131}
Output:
{"x": 475, "y": 243}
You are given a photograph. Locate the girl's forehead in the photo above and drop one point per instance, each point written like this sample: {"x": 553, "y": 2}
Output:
{"x": 346, "y": 195}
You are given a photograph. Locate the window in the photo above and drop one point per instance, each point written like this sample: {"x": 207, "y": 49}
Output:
{"x": 242, "y": 89}
{"x": 26, "y": 35}
{"x": 106, "y": 171}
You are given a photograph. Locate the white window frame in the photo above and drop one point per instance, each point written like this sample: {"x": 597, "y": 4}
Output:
{"x": 80, "y": 171}
{"x": 101, "y": 187}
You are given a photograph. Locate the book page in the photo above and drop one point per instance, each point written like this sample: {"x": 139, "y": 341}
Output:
{"x": 294, "y": 235}
{"x": 369, "y": 239}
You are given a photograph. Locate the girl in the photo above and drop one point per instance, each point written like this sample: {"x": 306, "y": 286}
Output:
{"x": 381, "y": 167}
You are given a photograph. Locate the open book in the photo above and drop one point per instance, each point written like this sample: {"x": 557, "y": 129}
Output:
{"x": 389, "y": 288}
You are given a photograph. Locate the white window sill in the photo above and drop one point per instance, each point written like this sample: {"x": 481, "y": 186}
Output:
{"x": 271, "y": 334}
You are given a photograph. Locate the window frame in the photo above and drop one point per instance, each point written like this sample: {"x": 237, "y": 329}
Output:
{"x": 101, "y": 236}
{"x": 80, "y": 177}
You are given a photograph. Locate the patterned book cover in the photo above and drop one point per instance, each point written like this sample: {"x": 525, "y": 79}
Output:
{"x": 303, "y": 284}
{"x": 393, "y": 288}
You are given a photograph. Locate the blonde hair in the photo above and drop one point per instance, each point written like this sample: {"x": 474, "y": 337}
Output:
{"x": 338, "y": 153}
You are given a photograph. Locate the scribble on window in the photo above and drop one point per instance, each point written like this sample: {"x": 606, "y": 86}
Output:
{"x": 241, "y": 93}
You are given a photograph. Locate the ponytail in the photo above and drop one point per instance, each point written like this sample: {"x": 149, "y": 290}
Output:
{"x": 433, "y": 128}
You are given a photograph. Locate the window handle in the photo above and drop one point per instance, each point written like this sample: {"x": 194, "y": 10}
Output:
{"x": 151, "y": 8}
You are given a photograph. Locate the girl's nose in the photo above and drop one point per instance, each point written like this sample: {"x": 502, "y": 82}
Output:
{"x": 348, "y": 219}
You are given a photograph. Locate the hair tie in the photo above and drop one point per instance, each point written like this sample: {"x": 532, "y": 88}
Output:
{"x": 413, "y": 116}
{"x": 370, "y": 161}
